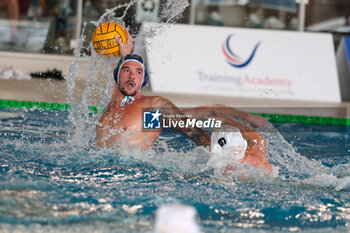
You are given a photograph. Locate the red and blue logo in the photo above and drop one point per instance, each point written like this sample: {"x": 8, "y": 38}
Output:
{"x": 232, "y": 58}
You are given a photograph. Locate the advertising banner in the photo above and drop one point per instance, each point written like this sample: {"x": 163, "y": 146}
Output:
{"x": 240, "y": 62}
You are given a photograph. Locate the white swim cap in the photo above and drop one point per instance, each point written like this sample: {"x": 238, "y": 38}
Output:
{"x": 228, "y": 139}
{"x": 176, "y": 219}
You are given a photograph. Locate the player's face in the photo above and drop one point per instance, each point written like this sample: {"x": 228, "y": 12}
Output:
{"x": 130, "y": 78}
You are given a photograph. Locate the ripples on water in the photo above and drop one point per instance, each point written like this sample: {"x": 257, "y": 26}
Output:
{"x": 49, "y": 184}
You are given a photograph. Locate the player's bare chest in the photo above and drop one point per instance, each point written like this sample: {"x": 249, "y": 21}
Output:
{"x": 128, "y": 116}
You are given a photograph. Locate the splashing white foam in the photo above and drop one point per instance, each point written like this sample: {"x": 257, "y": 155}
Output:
{"x": 329, "y": 181}
{"x": 281, "y": 153}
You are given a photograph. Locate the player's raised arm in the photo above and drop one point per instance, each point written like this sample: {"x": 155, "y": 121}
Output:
{"x": 126, "y": 48}
{"x": 199, "y": 136}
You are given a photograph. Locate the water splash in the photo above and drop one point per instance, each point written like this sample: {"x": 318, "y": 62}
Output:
{"x": 280, "y": 152}
{"x": 329, "y": 181}
{"x": 99, "y": 80}
{"x": 172, "y": 10}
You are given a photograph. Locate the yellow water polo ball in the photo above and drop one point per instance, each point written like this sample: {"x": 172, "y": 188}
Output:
{"x": 103, "y": 38}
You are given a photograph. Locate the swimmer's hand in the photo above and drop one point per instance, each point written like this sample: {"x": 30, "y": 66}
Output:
{"x": 257, "y": 120}
{"x": 125, "y": 49}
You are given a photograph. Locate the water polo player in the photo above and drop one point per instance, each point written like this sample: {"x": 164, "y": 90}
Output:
{"x": 123, "y": 116}
{"x": 121, "y": 121}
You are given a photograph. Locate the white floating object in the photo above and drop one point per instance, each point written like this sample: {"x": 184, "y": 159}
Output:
{"x": 176, "y": 219}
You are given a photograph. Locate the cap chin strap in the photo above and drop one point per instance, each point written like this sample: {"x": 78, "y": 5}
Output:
{"x": 127, "y": 100}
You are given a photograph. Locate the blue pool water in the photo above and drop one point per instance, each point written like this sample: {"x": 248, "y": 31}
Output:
{"x": 53, "y": 178}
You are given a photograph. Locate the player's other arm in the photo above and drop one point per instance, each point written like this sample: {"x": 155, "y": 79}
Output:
{"x": 255, "y": 140}
{"x": 219, "y": 110}
{"x": 256, "y": 148}
{"x": 199, "y": 136}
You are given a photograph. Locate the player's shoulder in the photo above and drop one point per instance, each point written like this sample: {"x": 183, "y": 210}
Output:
{"x": 157, "y": 101}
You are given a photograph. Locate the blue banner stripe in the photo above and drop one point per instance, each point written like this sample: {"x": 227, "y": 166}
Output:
{"x": 347, "y": 47}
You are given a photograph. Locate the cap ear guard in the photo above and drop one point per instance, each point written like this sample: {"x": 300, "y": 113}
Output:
{"x": 145, "y": 79}
{"x": 115, "y": 74}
